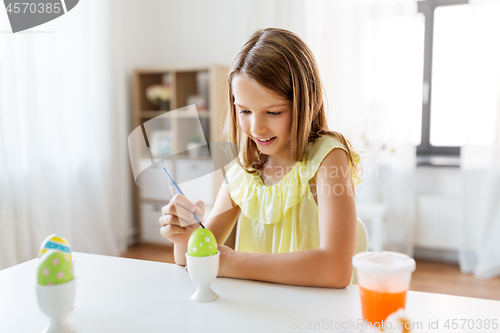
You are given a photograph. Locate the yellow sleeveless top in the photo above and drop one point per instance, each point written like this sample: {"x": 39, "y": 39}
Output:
{"x": 282, "y": 217}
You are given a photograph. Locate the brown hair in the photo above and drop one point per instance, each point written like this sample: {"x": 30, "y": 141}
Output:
{"x": 281, "y": 62}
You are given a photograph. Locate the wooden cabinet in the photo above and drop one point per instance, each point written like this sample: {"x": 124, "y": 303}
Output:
{"x": 176, "y": 131}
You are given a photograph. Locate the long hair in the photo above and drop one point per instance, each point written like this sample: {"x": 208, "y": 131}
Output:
{"x": 281, "y": 62}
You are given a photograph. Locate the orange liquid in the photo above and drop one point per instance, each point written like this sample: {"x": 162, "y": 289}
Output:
{"x": 376, "y": 306}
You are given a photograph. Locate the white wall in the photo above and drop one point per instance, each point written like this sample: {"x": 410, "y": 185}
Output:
{"x": 439, "y": 213}
{"x": 439, "y": 180}
{"x": 162, "y": 33}
{"x": 166, "y": 32}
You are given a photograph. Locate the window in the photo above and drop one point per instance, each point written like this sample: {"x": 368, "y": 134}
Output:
{"x": 446, "y": 77}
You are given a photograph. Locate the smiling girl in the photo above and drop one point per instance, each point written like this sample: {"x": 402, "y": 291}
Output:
{"x": 292, "y": 191}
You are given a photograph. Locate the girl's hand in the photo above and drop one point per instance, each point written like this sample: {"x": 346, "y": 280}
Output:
{"x": 177, "y": 220}
{"x": 225, "y": 257}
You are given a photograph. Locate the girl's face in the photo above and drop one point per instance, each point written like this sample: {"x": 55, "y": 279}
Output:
{"x": 264, "y": 116}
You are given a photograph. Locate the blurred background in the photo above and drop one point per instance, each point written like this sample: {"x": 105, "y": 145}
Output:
{"x": 414, "y": 85}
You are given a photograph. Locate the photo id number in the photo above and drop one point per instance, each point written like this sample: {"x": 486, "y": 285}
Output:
{"x": 471, "y": 324}
{"x": 31, "y": 7}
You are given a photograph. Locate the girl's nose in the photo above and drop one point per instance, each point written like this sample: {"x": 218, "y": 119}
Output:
{"x": 258, "y": 126}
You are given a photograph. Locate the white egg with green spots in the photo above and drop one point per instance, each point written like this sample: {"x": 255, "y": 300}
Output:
{"x": 202, "y": 243}
{"x": 55, "y": 267}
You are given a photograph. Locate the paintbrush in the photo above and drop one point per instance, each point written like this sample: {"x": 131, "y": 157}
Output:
{"x": 178, "y": 189}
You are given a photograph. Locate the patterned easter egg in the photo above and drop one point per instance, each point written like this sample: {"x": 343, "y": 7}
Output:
{"x": 55, "y": 267}
{"x": 202, "y": 243}
{"x": 55, "y": 242}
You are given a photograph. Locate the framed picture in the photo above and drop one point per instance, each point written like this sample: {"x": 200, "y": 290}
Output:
{"x": 162, "y": 143}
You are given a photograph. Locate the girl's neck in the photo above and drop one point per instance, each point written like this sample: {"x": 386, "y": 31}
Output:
{"x": 275, "y": 169}
{"x": 274, "y": 161}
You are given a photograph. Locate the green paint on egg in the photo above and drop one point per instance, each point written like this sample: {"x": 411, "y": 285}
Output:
{"x": 55, "y": 267}
{"x": 202, "y": 243}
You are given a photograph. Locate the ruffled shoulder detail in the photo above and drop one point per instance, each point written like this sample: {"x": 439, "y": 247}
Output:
{"x": 270, "y": 203}
{"x": 319, "y": 149}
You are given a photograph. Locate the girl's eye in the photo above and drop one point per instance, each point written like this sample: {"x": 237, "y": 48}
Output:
{"x": 244, "y": 111}
{"x": 274, "y": 113}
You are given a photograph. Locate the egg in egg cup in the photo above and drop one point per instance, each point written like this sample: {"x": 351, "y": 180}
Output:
{"x": 55, "y": 290}
{"x": 202, "y": 261}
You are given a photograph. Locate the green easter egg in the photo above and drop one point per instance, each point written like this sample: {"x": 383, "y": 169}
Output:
{"x": 202, "y": 243}
{"x": 55, "y": 267}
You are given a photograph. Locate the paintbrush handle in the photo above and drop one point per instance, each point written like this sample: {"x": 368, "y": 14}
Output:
{"x": 178, "y": 189}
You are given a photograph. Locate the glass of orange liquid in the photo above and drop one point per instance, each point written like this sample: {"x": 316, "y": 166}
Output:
{"x": 383, "y": 278}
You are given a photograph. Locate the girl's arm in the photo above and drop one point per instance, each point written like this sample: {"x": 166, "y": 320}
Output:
{"x": 220, "y": 221}
{"x": 330, "y": 264}
{"x": 223, "y": 216}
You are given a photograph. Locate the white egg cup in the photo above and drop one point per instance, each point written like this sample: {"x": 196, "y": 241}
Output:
{"x": 56, "y": 302}
{"x": 203, "y": 270}
{"x": 73, "y": 262}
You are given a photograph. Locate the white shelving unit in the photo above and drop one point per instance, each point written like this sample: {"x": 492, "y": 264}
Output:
{"x": 210, "y": 82}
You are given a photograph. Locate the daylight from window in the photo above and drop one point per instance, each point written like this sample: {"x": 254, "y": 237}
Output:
{"x": 421, "y": 91}
{"x": 450, "y": 75}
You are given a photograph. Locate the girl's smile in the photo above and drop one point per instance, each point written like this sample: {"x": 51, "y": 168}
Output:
{"x": 263, "y": 116}
{"x": 264, "y": 142}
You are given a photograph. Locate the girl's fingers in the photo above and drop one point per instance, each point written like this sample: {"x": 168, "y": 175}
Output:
{"x": 182, "y": 201}
{"x": 170, "y": 229}
{"x": 192, "y": 227}
{"x": 200, "y": 209}
{"x": 179, "y": 211}
{"x": 168, "y": 219}
{"x": 176, "y": 234}
{"x": 180, "y": 206}
{"x": 174, "y": 220}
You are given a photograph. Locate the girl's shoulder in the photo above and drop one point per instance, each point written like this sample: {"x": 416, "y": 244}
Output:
{"x": 321, "y": 147}
{"x": 318, "y": 150}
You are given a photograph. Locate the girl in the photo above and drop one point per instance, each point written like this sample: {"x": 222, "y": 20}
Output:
{"x": 292, "y": 190}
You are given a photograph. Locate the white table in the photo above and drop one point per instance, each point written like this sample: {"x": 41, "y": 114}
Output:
{"x": 125, "y": 295}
